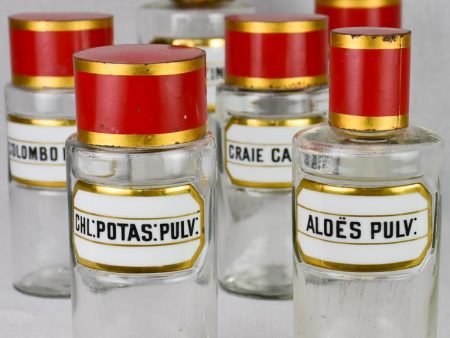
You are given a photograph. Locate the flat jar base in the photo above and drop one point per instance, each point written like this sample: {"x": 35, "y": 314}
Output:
{"x": 53, "y": 282}
{"x": 268, "y": 282}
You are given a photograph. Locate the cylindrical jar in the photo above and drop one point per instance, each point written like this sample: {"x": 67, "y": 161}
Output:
{"x": 367, "y": 203}
{"x": 41, "y": 115}
{"x": 274, "y": 65}
{"x": 142, "y": 173}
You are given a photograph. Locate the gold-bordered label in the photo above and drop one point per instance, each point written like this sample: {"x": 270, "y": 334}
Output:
{"x": 36, "y": 148}
{"x": 215, "y": 61}
{"x": 137, "y": 230}
{"x": 258, "y": 152}
{"x": 362, "y": 229}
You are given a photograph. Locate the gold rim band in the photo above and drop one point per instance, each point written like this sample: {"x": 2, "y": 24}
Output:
{"x": 357, "y": 3}
{"x": 60, "y": 26}
{"x": 276, "y": 83}
{"x": 156, "y": 69}
{"x": 42, "y": 122}
{"x": 396, "y": 41}
{"x": 136, "y": 140}
{"x": 276, "y": 27}
{"x": 40, "y": 184}
{"x": 212, "y": 42}
{"x": 363, "y": 123}
{"x": 38, "y": 82}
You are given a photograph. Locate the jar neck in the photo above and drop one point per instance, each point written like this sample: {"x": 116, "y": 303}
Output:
{"x": 368, "y": 136}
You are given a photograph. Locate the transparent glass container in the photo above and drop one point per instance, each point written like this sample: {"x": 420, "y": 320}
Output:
{"x": 38, "y": 213}
{"x": 166, "y": 304}
{"x": 396, "y": 304}
{"x": 196, "y": 26}
{"x": 255, "y": 235}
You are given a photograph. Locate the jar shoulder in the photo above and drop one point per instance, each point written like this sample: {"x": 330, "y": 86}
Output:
{"x": 327, "y": 141}
{"x": 194, "y": 161}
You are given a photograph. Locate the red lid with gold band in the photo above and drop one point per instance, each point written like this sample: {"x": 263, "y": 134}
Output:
{"x": 140, "y": 95}
{"x": 360, "y": 13}
{"x": 369, "y": 78}
{"x": 42, "y": 45}
{"x": 276, "y": 52}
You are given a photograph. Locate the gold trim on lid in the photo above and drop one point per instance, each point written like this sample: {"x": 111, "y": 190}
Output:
{"x": 349, "y": 41}
{"x": 357, "y": 3}
{"x": 141, "y": 141}
{"x": 265, "y": 27}
{"x": 363, "y": 123}
{"x": 149, "y": 69}
{"x": 276, "y": 83}
{"x": 60, "y": 25}
{"x": 39, "y": 82}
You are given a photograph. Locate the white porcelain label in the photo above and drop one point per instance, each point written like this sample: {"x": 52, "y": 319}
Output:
{"x": 258, "y": 153}
{"x": 363, "y": 229}
{"x": 36, "y": 150}
{"x": 137, "y": 231}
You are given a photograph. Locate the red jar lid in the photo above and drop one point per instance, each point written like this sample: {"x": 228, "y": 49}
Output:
{"x": 275, "y": 51}
{"x": 42, "y": 45}
{"x": 140, "y": 95}
{"x": 360, "y": 13}
{"x": 369, "y": 78}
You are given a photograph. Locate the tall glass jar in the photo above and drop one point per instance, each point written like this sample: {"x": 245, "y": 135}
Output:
{"x": 273, "y": 64}
{"x": 367, "y": 206}
{"x": 40, "y": 104}
{"x": 198, "y": 23}
{"x": 142, "y": 195}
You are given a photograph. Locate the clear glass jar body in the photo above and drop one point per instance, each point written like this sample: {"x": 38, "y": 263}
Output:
{"x": 170, "y": 304}
{"x": 398, "y": 304}
{"x": 197, "y": 26}
{"x": 255, "y": 253}
{"x": 39, "y": 235}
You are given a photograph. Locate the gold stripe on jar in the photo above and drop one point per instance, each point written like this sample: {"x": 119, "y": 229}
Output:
{"x": 206, "y": 42}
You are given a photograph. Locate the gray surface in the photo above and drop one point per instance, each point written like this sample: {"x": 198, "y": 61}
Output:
{"x": 25, "y": 316}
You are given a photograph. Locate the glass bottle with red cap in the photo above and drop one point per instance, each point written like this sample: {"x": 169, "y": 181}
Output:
{"x": 141, "y": 172}
{"x": 273, "y": 64}
{"x": 193, "y": 23}
{"x": 356, "y": 13}
{"x": 40, "y": 104}
{"x": 367, "y": 206}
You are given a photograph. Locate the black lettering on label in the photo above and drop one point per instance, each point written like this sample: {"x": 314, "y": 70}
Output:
{"x": 215, "y": 73}
{"x": 246, "y": 154}
{"x": 42, "y": 153}
{"x": 342, "y": 227}
{"x": 355, "y": 228}
{"x": 137, "y": 232}
{"x": 281, "y": 155}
